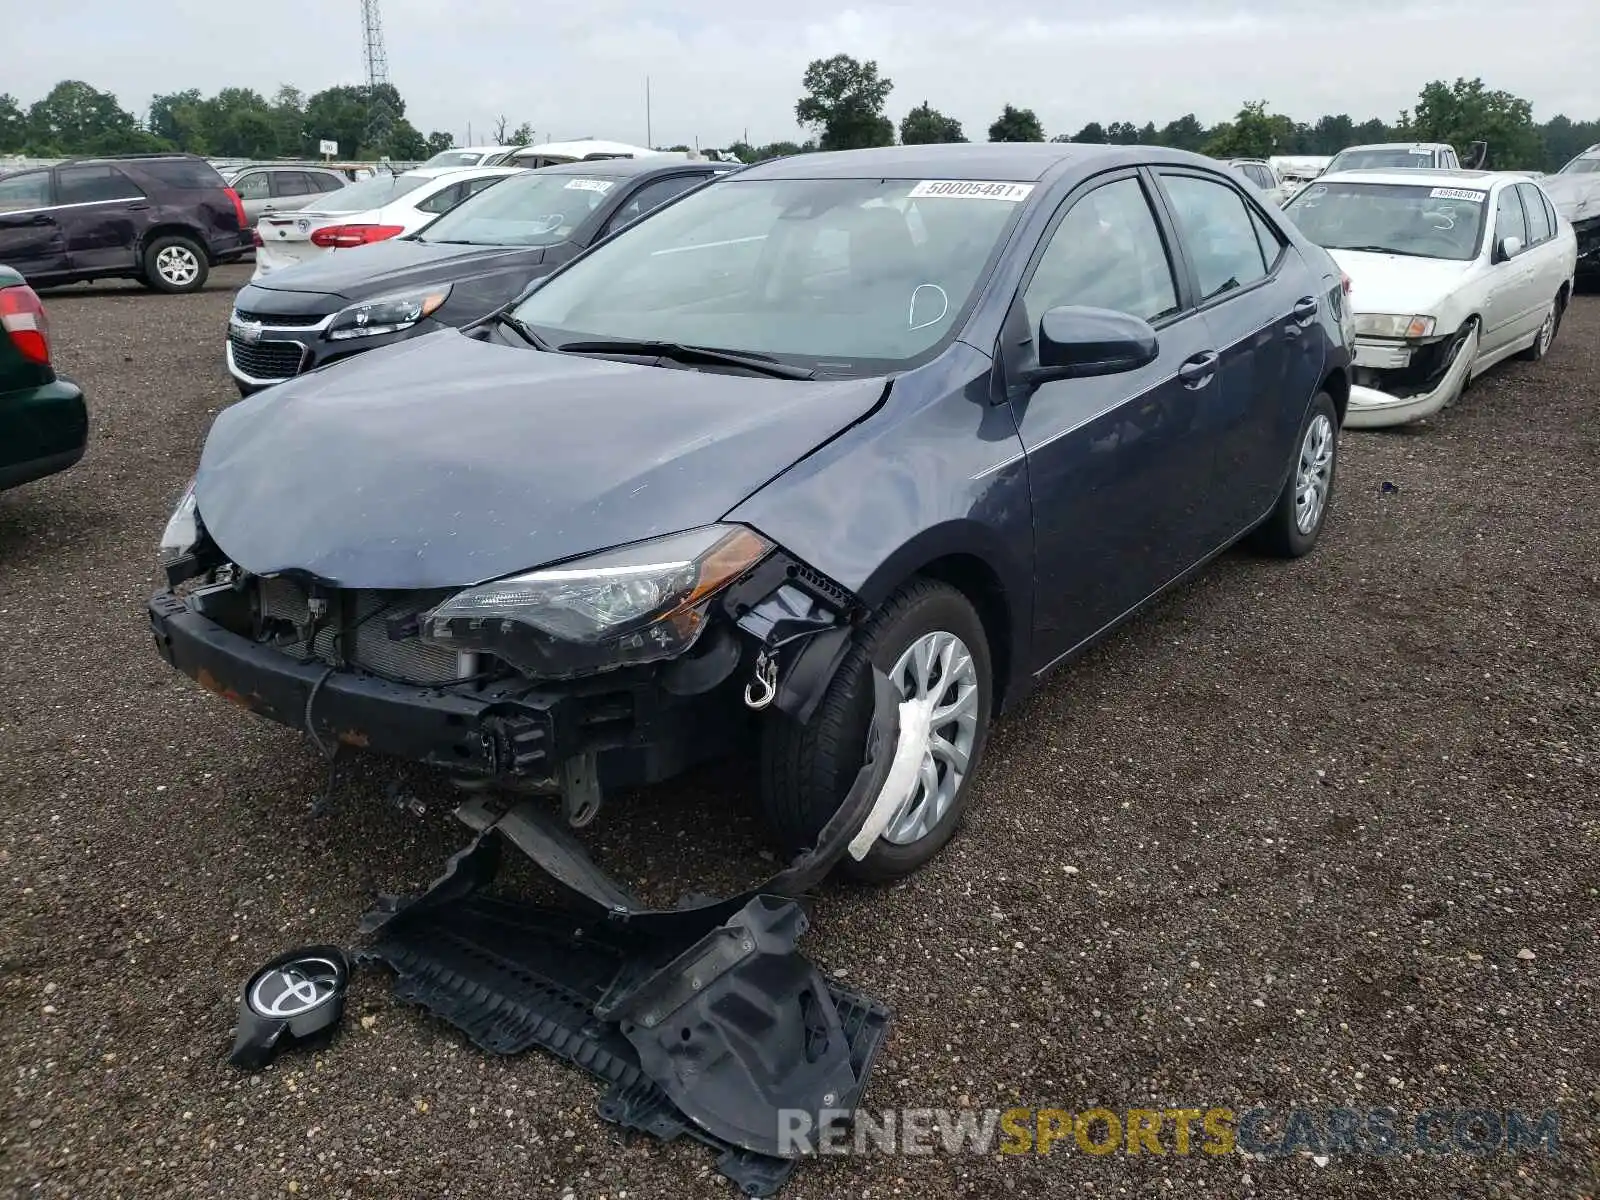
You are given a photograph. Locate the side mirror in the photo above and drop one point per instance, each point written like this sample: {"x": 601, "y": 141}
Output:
{"x": 1076, "y": 342}
{"x": 1477, "y": 155}
{"x": 1509, "y": 248}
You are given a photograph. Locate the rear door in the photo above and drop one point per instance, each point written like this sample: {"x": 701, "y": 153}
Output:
{"x": 102, "y": 214}
{"x": 1119, "y": 465}
{"x": 31, "y": 240}
{"x": 1258, "y": 302}
{"x": 1547, "y": 266}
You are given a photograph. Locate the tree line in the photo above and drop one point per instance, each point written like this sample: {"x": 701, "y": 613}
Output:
{"x": 843, "y": 107}
{"x": 75, "y": 118}
{"x": 845, "y": 100}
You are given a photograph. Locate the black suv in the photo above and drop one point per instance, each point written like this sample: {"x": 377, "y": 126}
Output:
{"x": 163, "y": 219}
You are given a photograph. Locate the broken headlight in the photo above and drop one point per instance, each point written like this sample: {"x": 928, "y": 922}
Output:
{"x": 182, "y": 534}
{"x": 387, "y": 314}
{"x": 638, "y": 604}
{"x": 1384, "y": 325}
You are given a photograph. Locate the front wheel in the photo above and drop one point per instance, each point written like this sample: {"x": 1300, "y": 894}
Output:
{"x": 1291, "y": 529}
{"x": 930, "y": 642}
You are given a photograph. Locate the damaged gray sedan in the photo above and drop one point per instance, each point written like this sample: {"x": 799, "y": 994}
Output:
{"x": 951, "y": 412}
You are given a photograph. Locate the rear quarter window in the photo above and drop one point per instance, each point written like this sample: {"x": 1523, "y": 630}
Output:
{"x": 189, "y": 173}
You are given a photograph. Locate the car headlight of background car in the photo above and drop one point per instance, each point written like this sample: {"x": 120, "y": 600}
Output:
{"x": 387, "y": 314}
{"x": 1384, "y": 325}
{"x": 638, "y": 604}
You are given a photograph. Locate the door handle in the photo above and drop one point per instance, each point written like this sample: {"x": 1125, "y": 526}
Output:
{"x": 138, "y": 206}
{"x": 1199, "y": 370}
{"x": 1305, "y": 310}
{"x": 35, "y": 219}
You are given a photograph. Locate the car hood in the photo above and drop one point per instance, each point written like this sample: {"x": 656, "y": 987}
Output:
{"x": 1576, "y": 197}
{"x": 1396, "y": 283}
{"x": 447, "y": 461}
{"x": 363, "y": 272}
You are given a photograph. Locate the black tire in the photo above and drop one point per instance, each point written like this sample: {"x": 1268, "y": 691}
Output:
{"x": 807, "y": 770}
{"x": 1541, "y": 341}
{"x": 175, "y": 264}
{"x": 1280, "y": 534}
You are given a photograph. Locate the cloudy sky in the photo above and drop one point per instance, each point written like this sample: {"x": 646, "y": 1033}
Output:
{"x": 721, "y": 67}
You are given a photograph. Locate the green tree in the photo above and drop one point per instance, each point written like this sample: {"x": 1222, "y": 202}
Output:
{"x": 779, "y": 150}
{"x": 522, "y": 135}
{"x": 1253, "y": 133}
{"x": 1122, "y": 133}
{"x": 73, "y": 116}
{"x": 1563, "y": 138}
{"x": 439, "y": 140}
{"x": 844, "y": 104}
{"x": 179, "y": 117}
{"x": 925, "y": 125}
{"x": 289, "y": 116}
{"x": 1016, "y": 125}
{"x": 1466, "y": 111}
{"x": 1332, "y": 134}
{"x": 1092, "y": 134}
{"x": 1186, "y": 133}
{"x": 13, "y": 124}
{"x": 1373, "y": 130}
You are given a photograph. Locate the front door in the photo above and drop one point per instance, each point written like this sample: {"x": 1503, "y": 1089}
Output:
{"x": 102, "y": 213}
{"x": 1119, "y": 466}
{"x": 30, "y": 236}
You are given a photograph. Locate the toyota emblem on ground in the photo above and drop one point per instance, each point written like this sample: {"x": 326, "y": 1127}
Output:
{"x": 297, "y": 997}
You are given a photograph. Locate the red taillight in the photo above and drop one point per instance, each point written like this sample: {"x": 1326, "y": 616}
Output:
{"x": 255, "y": 238}
{"x": 22, "y": 317}
{"x": 337, "y": 237}
{"x": 238, "y": 209}
{"x": 1344, "y": 282}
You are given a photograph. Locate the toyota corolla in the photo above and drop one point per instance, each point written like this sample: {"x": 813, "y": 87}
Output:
{"x": 953, "y": 412}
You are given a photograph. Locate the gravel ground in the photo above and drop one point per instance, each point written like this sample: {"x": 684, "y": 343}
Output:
{"x": 1320, "y": 834}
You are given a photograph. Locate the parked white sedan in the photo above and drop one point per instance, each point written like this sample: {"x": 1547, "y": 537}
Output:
{"x": 1451, "y": 272}
{"x": 373, "y": 210}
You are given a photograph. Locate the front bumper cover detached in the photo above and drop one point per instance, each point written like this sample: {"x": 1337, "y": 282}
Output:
{"x": 704, "y": 1019}
{"x": 1432, "y": 382}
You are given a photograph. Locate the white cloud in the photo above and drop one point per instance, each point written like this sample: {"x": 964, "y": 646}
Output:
{"x": 718, "y": 68}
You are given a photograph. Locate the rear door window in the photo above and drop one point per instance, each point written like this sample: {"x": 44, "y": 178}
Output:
{"x": 291, "y": 183}
{"x": 1539, "y": 227}
{"x": 93, "y": 185}
{"x": 31, "y": 189}
{"x": 328, "y": 183}
{"x": 1217, "y": 229}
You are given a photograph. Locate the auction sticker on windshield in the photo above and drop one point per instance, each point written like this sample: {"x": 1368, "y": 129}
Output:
{"x": 589, "y": 185}
{"x": 970, "y": 189}
{"x": 1458, "y": 194}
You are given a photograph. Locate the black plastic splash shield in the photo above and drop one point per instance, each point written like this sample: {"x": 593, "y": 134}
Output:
{"x": 705, "y": 1019}
{"x": 514, "y": 976}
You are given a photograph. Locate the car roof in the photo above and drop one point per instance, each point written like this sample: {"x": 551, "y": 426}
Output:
{"x": 626, "y": 168}
{"x": 1020, "y": 161}
{"x": 1397, "y": 146}
{"x": 473, "y": 172}
{"x": 1418, "y": 176}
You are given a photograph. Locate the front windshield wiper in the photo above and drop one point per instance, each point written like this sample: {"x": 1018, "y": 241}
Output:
{"x": 1383, "y": 250}
{"x": 522, "y": 329}
{"x": 760, "y": 363}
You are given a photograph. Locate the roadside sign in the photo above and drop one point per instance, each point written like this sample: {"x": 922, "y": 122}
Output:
{"x": 329, "y": 148}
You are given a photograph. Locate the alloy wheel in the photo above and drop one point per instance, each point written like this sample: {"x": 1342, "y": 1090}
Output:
{"x": 177, "y": 265}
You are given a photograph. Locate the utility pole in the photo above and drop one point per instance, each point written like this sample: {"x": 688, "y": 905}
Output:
{"x": 649, "y": 132}
{"x": 372, "y": 37}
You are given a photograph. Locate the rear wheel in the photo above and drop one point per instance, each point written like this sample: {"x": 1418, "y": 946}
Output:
{"x": 175, "y": 264}
{"x": 930, "y": 642}
{"x": 1295, "y": 522}
{"x": 1546, "y": 336}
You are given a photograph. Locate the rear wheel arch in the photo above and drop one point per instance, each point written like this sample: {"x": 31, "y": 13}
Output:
{"x": 1337, "y": 384}
{"x": 172, "y": 229}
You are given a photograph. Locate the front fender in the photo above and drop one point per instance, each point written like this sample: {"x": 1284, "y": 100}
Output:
{"x": 936, "y": 474}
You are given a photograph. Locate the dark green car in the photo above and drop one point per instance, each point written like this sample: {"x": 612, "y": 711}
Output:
{"x": 44, "y": 426}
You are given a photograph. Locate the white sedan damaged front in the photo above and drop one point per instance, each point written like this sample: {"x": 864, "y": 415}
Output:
{"x": 1410, "y": 374}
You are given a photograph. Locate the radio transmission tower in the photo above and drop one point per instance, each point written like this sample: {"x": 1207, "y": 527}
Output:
{"x": 372, "y": 33}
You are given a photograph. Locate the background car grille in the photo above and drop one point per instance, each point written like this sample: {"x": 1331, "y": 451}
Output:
{"x": 278, "y": 320}
{"x": 368, "y": 646}
{"x": 266, "y": 360}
